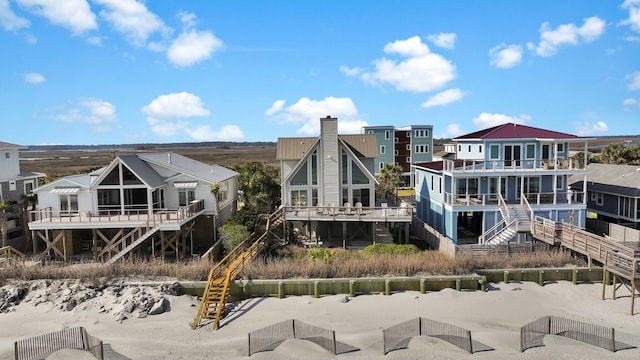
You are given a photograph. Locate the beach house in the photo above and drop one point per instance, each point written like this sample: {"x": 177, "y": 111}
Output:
{"x": 14, "y": 185}
{"x": 328, "y": 189}
{"x": 500, "y": 180}
{"x": 153, "y": 204}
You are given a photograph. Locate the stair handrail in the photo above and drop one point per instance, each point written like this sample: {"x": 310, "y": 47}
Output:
{"x": 525, "y": 201}
{"x": 509, "y": 223}
{"x": 493, "y": 231}
{"x": 124, "y": 238}
{"x": 9, "y": 251}
{"x": 503, "y": 207}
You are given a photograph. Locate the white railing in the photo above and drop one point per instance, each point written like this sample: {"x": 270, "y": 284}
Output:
{"x": 134, "y": 215}
{"x": 504, "y": 209}
{"x": 525, "y": 202}
{"x": 496, "y": 229}
{"x": 347, "y": 211}
{"x": 465, "y": 166}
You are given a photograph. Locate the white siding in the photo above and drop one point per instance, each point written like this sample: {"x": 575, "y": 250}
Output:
{"x": 9, "y": 167}
{"x": 329, "y": 161}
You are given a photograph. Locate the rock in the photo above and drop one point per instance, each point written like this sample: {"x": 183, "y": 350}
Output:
{"x": 10, "y": 296}
{"x": 343, "y": 299}
{"x": 120, "y": 317}
{"x": 135, "y": 290}
{"x": 70, "y": 305}
{"x": 158, "y": 307}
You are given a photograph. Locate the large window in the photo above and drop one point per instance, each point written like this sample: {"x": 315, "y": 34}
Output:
{"x": 68, "y": 204}
{"x": 185, "y": 196}
{"x": 494, "y": 152}
{"x": 626, "y": 207}
{"x": 512, "y": 154}
{"x": 301, "y": 177}
{"x": 530, "y": 152}
{"x": 299, "y": 197}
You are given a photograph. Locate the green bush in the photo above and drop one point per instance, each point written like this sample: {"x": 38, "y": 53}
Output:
{"x": 232, "y": 234}
{"x": 393, "y": 249}
{"x": 321, "y": 254}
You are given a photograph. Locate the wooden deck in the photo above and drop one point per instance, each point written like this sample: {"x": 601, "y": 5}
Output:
{"x": 620, "y": 259}
{"x": 351, "y": 213}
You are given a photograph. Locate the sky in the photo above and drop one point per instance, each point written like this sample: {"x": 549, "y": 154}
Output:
{"x": 88, "y": 72}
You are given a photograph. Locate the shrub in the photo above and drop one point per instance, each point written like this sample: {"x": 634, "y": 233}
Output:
{"x": 321, "y": 254}
{"x": 393, "y": 249}
{"x": 232, "y": 234}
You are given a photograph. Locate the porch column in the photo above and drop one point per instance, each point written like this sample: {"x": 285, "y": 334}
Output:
{"x": 94, "y": 242}
{"x": 149, "y": 202}
{"x": 344, "y": 234}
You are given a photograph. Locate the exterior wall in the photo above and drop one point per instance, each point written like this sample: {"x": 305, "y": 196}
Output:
{"x": 329, "y": 160}
{"x": 470, "y": 150}
{"x": 384, "y": 139}
{"x": 422, "y": 136}
{"x": 9, "y": 163}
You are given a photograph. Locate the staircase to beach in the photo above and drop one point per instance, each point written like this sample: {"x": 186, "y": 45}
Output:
{"x": 516, "y": 219}
{"x": 214, "y": 298}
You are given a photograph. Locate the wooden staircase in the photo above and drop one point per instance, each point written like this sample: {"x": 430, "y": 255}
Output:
{"x": 9, "y": 252}
{"x": 214, "y": 297}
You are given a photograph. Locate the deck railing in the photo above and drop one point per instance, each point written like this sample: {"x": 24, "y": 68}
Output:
{"x": 527, "y": 165}
{"x": 348, "y": 212}
{"x": 537, "y": 198}
{"x": 155, "y": 217}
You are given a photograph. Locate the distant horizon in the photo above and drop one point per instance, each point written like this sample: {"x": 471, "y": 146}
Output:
{"x": 126, "y": 72}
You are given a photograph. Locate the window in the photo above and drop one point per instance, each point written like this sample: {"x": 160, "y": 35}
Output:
{"x": 432, "y": 181}
{"x": 560, "y": 182}
{"x": 408, "y": 147}
{"x": 68, "y": 204}
{"x": 301, "y": 177}
{"x": 396, "y": 153}
{"x": 469, "y": 148}
{"x": 561, "y": 147}
{"x": 28, "y": 187}
{"x": 408, "y": 159}
{"x": 7, "y": 155}
{"x": 408, "y": 134}
{"x": 459, "y": 148}
{"x": 480, "y": 149}
{"x": 440, "y": 184}
{"x": 387, "y": 135}
{"x": 599, "y": 198}
{"x": 395, "y": 139}
{"x": 370, "y": 132}
{"x": 185, "y": 196}
{"x": 530, "y": 151}
{"x": 422, "y": 133}
{"x": 422, "y": 149}
{"x": 222, "y": 196}
{"x": 383, "y": 149}
{"x": 626, "y": 207}
{"x": 494, "y": 151}
{"x": 12, "y": 185}
{"x": 380, "y": 165}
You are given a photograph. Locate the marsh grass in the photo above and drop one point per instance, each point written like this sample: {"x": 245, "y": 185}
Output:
{"x": 290, "y": 262}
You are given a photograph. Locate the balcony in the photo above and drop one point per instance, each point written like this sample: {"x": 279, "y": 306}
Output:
{"x": 48, "y": 218}
{"x": 403, "y": 213}
{"x": 538, "y": 198}
{"x": 473, "y": 166}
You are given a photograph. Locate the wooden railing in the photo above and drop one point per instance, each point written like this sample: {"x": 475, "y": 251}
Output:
{"x": 383, "y": 213}
{"x": 10, "y": 251}
{"x": 157, "y": 216}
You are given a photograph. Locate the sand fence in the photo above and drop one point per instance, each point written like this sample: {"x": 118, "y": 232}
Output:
{"x": 532, "y": 334}
{"x": 38, "y": 347}
{"x": 397, "y": 337}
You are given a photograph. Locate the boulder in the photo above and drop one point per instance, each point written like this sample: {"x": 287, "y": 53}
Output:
{"x": 158, "y": 307}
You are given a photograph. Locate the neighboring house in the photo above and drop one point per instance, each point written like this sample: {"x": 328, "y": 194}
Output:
{"x": 448, "y": 152}
{"x": 402, "y": 146}
{"x": 502, "y": 178}
{"x": 328, "y": 187}
{"x": 161, "y": 199}
{"x": 613, "y": 192}
{"x": 14, "y": 184}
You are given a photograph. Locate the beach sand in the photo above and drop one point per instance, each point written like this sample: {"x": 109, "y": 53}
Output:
{"x": 493, "y": 317}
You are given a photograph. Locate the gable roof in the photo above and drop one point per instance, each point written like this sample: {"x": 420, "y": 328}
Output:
{"x": 184, "y": 165}
{"x": 142, "y": 170}
{"x": 611, "y": 178}
{"x": 362, "y": 145}
{"x": 515, "y": 131}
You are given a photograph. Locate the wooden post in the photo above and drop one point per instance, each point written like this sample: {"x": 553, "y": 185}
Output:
{"x": 614, "y": 286}
{"x": 604, "y": 281}
{"x": 280, "y": 289}
{"x": 506, "y": 277}
{"x": 458, "y": 284}
{"x": 387, "y": 287}
{"x": 633, "y": 293}
{"x": 423, "y": 286}
{"x": 316, "y": 289}
{"x": 352, "y": 286}
{"x": 574, "y": 277}
{"x": 541, "y": 278}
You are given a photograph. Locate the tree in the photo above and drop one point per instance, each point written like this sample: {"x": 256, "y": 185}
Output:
{"x": 259, "y": 185}
{"x": 5, "y": 210}
{"x": 27, "y": 200}
{"x": 388, "y": 181}
{"x": 215, "y": 190}
{"x": 232, "y": 234}
{"x": 615, "y": 153}
{"x": 245, "y": 216}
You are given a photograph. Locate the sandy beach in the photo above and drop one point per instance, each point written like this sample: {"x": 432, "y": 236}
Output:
{"x": 494, "y": 318}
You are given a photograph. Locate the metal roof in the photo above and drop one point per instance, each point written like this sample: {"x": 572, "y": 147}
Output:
{"x": 515, "y": 131}
{"x": 363, "y": 145}
{"x": 6, "y": 145}
{"x": 142, "y": 170}
{"x": 184, "y": 165}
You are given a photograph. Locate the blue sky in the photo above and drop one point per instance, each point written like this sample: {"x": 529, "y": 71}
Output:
{"x": 158, "y": 71}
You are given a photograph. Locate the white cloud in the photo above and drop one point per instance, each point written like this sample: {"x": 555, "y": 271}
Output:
{"x": 99, "y": 114}
{"x": 226, "y": 133}
{"x": 634, "y": 15}
{"x": 443, "y": 40}
{"x": 631, "y": 103}
{"x": 176, "y": 105}
{"x": 486, "y": 120}
{"x": 34, "y": 78}
{"x": 504, "y": 57}
{"x": 168, "y": 114}
{"x": 306, "y": 114}
{"x": 192, "y": 47}
{"x": 592, "y": 129}
{"x": 75, "y": 15}
{"x": 420, "y": 71}
{"x": 276, "y": 107}
{"x": 132, "y": 19}
{"x": 9, "y": 20}
{"x": 567, "y": 34}
{"x": 444, "y": 97}
{"x": 452, "y": 131}
{"x": 188, "y": 19}
{"x": 634, "y": 80}
{"x": 349, "y": 71}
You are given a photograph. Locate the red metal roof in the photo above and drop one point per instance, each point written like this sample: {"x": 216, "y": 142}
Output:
{"x": 515, "y": 131}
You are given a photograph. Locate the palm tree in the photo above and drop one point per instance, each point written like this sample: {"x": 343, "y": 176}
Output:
{"x": 388, "y": 181}
{"x": 27, "y": 200}
{"x": 615, "y": 153}
{"x": 215, "y": 190}
{"x": 5, "y": 210}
